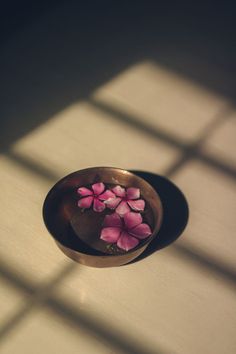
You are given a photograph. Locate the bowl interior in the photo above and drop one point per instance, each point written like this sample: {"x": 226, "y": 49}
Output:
{"x": 79, "y": 229}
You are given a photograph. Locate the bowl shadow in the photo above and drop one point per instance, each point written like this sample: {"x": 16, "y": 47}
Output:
{"x": 175, "y": 212}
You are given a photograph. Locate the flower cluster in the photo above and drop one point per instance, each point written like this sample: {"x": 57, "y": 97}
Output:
{"x": 125, "y": 232}
{"x": 125, "y": 226}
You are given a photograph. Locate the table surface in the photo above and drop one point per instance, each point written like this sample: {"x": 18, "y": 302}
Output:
{"x": 144, "y": 116}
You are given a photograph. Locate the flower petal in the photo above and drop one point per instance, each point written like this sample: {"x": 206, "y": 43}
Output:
{"x": 84, "y": 192}
{"x": 122, "y": 208}
{"x": 126, "y": 241}
{"x": 85, "y": 203}
{"x": 133, "y": 193}
{"x": 137, "y": 205}
{"x": 110, "y": 234}
{"x": 112, "y": 203}
{"x": 119, "y": 191}
{"x": 98, "y": 188}
{"x": 98, "y": 206}
{"x": 141, "y": 231}
{"x": 113, "y": 220}
{"x": 106, "y": 195}
{"x": 132, "y": 219}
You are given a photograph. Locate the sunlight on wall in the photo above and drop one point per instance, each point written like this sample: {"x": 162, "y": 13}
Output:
{"x": 137, "y": 120}
{"x": 162, "y": 99}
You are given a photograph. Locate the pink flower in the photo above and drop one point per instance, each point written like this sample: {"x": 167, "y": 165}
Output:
{"x": 125, "y": 200}
{"x": 96, "y": 196}
{"x": 125, "y": 232}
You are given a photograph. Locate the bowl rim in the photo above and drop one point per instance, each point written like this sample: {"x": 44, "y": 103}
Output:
{"x": 146, "y": 242}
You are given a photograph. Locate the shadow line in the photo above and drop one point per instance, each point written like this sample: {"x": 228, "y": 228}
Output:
{"x": 175, "y": 219}
{"x": 11, "y": 323}
{"x": 194, "y": 149}
{"x": 131, "y": 120}
{"x": 44, "y": 297}
{"x": 36, "y": 295}
{"x": 190, "y": 150}
{"x": 32, "y": 166}
{"x": 205, "y": 262}
{"x": 194, "y": 153}
{"x": 121, "y": 342}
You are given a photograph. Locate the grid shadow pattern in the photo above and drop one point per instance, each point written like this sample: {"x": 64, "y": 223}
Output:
{"x": 44, "y": 296}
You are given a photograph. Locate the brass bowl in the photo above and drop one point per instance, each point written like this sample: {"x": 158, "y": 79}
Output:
{"x": 62, "y": 216}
